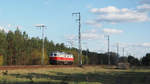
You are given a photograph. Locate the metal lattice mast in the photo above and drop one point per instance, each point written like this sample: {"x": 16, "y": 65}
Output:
{"x": 43, "y": 45}
{"x": 108, "y": 50}
{"x": 42, "y": 26}
{"x": 123, "y": 52}
{"x": 79, "y": 38}
{"x": 117, "y": 52}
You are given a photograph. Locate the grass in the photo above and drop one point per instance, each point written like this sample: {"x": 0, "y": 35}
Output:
{"x": 76, "y": 75}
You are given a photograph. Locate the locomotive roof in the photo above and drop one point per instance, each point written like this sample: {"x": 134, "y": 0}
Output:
{"x": 61, "y": 52}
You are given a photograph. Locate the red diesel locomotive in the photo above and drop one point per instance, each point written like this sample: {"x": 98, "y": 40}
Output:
{"x": 61, "y": 58}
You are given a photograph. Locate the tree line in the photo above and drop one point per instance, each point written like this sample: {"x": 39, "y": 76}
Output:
{"x": 17, "y": 48}
{"x": 103, "y": 58}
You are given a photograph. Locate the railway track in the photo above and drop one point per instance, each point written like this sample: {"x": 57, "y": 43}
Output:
{"x": 34, "y": 66}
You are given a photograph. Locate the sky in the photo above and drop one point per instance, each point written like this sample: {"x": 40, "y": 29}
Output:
{"x": 125, "y": 21}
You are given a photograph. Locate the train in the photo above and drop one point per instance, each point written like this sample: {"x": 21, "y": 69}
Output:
{"x": 61, "y": 58}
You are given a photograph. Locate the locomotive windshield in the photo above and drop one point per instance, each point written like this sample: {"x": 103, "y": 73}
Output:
{"x": 53, "y": 54}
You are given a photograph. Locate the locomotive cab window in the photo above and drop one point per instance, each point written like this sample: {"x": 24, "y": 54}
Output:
{"x": 55, "y": 54}
{"x": 51, "y": 55}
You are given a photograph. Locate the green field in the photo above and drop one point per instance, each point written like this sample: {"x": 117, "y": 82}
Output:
{"x": 76, "y": 75}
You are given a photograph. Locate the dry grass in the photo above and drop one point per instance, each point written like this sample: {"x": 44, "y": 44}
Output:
{"x": 76, "y": 75}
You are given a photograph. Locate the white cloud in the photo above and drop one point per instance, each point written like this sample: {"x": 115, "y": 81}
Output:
{"x": 40, "y": 25}
{"x": 144, "y": 7}
{"x": 126, "y": 17}
{"x": 145, "y": 2}
{"x": 4, "y": 29}
{"x": 109, "y": 9}
{"x": 93, "y": 23}
{"x": 140, "y": 45}
{"x": 112, "y": 31}
{"x": 145, "y": 44}
{"x": 92, "y": 35}
{"x": 71, "y": 37}
{"x": 114, "y": 15}
{"x": 11, "y": 26}
{"x": 136, "y": 49}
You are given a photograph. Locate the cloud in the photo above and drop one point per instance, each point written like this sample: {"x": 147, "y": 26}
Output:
{"x": 144, "y": 7}
{"x": 93, "y": 23}
{"x": 10, "y": 27}
{"x": 141, "y": 45}
{"x": 136, "y": 45}
{"x": 92, "y": 35}
{"x": 145, "y": 44}
{"x": 109, "y": 9}
{"x": 112, "y": 14}
{"x": 40, "y": 25}
{"x": 112, "y": 31}
{"x": 136, "y": 49}
{"x": 71, "y": 37}
{"x": 145, "y": 2}
{"x": 4, "y": 29}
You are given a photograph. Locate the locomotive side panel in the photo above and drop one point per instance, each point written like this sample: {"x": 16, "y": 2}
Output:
{"x": 61, "y": 58}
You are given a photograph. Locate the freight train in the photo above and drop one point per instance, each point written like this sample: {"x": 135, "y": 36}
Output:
{"x": 60, "y": 58}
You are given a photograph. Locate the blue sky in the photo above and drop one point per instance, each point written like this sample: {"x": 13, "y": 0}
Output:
{"x": 126, "y": 21}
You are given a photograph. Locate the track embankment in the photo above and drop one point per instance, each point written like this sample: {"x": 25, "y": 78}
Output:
{"x": 34, "y": 67}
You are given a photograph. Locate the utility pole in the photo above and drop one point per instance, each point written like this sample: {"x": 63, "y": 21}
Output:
{"x": 123, "y": 52}
{"x": 42, "y": 26}
{"x": 108, "y": 50}
{"x": 117, "y": 52}
{"x": 79, "y": 37}
{"x": 87, "y": 55}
